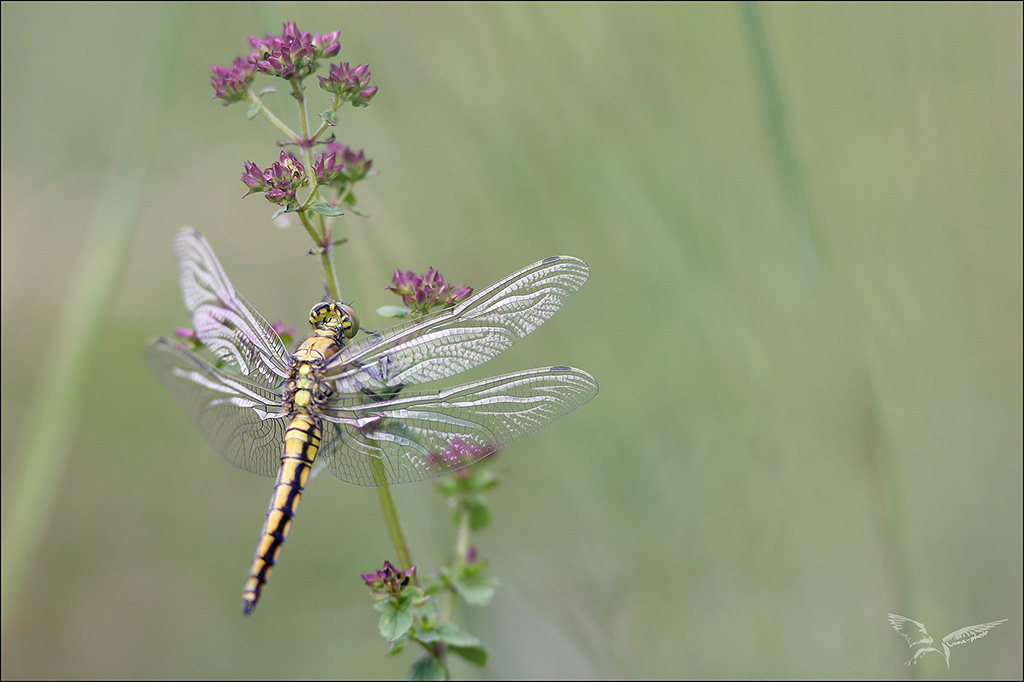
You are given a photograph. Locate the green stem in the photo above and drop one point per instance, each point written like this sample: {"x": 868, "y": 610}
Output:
{"x": 300, "y": 98}
{"x": 391, "y": 518}
{"x": 327, "y": 262}
{"x": 319, "y": 132}
{"x": 323, "y": 124}
{"x": 461, "y": 550}
{"x": 310, "y": 228}
{"x": 322, "y": 239}
{"x": 306, "y": 146}
{"x": 462, "y": 540}
{"x": 277, "y": 123}
{"x": 320, "y": 233}
{"x": 343, "y": 196}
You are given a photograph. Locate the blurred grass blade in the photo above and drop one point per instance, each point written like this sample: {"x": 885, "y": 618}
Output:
{"x": 775, "y": 123}
{"x": 51, "y": 419}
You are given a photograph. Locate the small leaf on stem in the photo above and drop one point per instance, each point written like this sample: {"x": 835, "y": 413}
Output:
{"x": 323, "y": 208}
{"x": 474, "y": 654}
{"x": 395, "y": 623}
{"x": 476, "y": 591}
{"x": 427, "y": 667}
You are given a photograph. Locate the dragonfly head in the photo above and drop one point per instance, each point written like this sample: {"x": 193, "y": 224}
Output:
{"x": 334, "y": 317}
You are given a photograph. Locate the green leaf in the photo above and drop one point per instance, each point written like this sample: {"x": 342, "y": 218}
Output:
{"x": 428, "y": 636}
{"x": 482, "y": 479}
{"x": 351, "y": 207}
{"x": 414, "y": 594}
{"x": 396, "y": 648}
{"x": 479, "y": 515}
{"x": 453, "y": 635}
{"x": 330, "y": 117}
{"x": 449, "y": 487}
{"x": 486, "y": 479}
{"x": 476, "y": 655}
{"x": 476, "y": 591}
{"x": 323, "y": 208}
{"x": 426, "y": 668}
{"x": 253, "y": 110}
{"x": 395, "y": 624}
{"x": 393, "y": 311}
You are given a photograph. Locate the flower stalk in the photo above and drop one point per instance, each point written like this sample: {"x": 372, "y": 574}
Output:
{"x": 316, "y": 182}
{"x": 294, "y": 56}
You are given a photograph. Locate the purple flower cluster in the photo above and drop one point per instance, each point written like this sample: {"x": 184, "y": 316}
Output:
{"x": 421, "y": 294}
{"x": 232, "y": 84}
{"x": 351, "y": 84}
{"x": 337, "y": 166}
{"x": 278, "y": 182}
{"x": 293, "y": 54}
{"x": 355, "y": 166}
{"x": 325, "y": 167}
{"x": 389, "y": 580}
{"x": 460, "y": 453}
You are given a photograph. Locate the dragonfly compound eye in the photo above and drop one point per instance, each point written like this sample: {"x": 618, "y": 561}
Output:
{"x": 349, "y": 321}
{"x": 334, "y": 315}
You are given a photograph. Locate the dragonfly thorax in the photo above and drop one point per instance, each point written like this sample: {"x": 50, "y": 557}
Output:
{"x": 334, "y": 319}
{"x": 306, "y": 388}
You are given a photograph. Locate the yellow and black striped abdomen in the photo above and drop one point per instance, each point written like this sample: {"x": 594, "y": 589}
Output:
{"x": 301, "y": 442}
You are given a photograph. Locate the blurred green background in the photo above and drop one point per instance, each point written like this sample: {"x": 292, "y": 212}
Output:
{"x": 804, "y": 225}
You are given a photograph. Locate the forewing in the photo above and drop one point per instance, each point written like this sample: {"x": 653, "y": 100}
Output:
{"x": 241, "y": 419}
{"x": 909, "y": 629}
{"x": 223, "y": 320}
{"x": 970, "y": 633}
{"x": 416, "y": 436}
{"x": 465, "y": 336}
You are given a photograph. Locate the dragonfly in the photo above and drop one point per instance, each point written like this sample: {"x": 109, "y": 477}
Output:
{"x": 341, "y": 404}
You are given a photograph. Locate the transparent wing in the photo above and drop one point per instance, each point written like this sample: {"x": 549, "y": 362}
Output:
{"x": 465, "y": 336}
{"x": 224, "y": 322}
{"x": 416, "y": 436}
{"x": 970, "y": 633}
{"x": 241, "y": 419}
